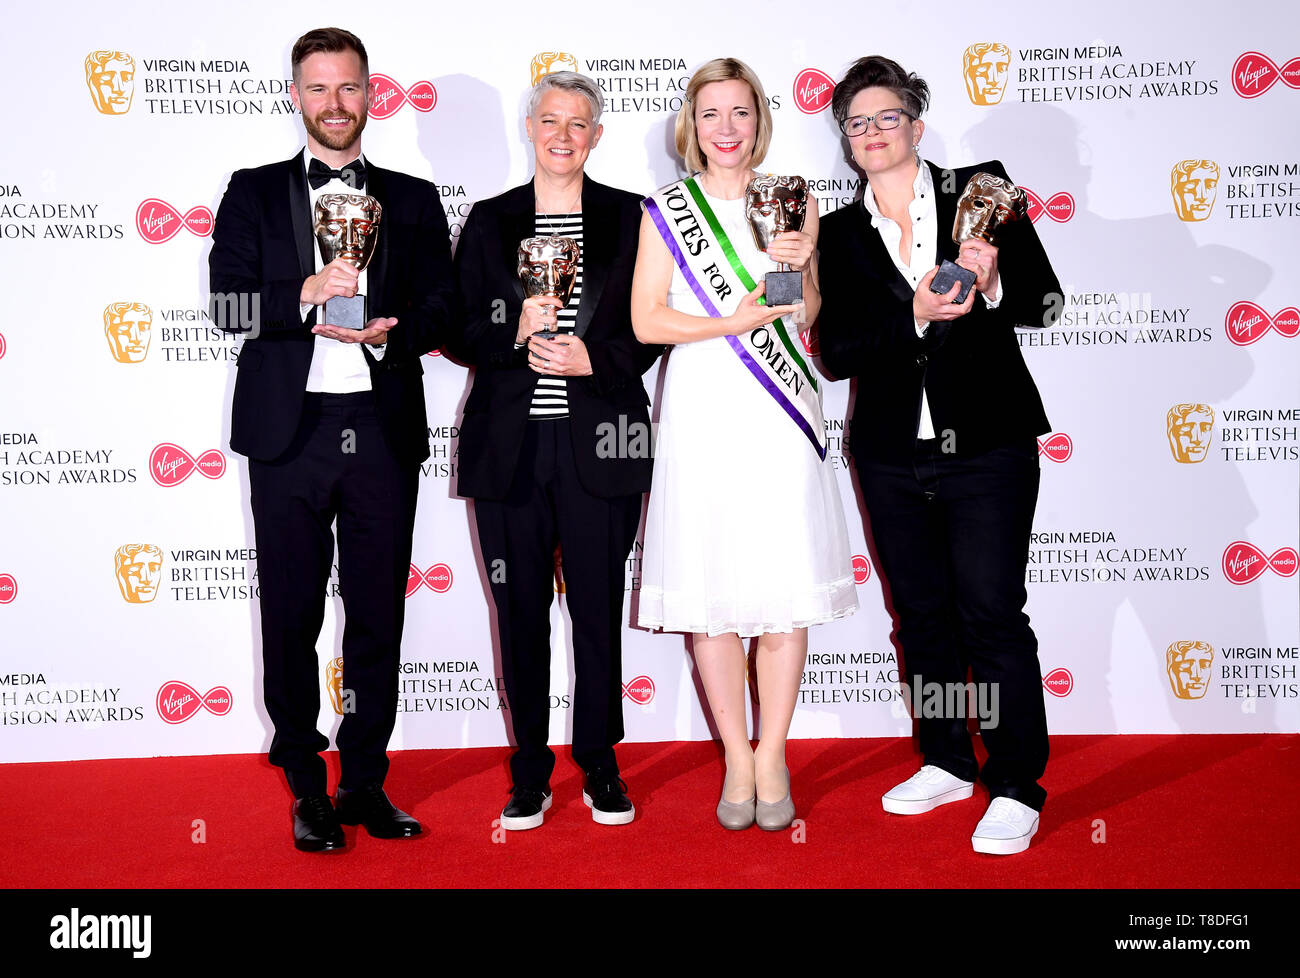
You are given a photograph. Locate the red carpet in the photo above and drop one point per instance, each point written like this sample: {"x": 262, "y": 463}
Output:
{"x": 1178, "y": 811}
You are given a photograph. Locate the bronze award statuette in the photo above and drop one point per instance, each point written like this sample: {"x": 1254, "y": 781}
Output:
{"x": 987, "y": 203}
{"x": 548, "y": 266}
{"x": 774, "y": 204}
{"x": 347, "y": 227}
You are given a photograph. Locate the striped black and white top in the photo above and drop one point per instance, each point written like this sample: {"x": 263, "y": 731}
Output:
{"x": 551, "y": 395}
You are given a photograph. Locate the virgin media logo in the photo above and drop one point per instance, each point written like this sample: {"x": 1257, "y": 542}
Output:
{"x": 810, "y": 342}
{"x": 813, "y": 89}
{"x": 390, "y": 96}
{"x": 170, "y": 465}
{"x": 1253, "y": 74}
{"x": 158, "y": 221}
{"x": 437, "y": 578}
{"x": 1056, "y": 448}
{"x": 1059, "y": 207}
{"x": 640, "y": 690}
{"x": 1059, "y": 682}
{"x": 861, "y": 569}
{"x": 2, "y": 346}
{"x": 8, "y": 588}
{"x": 178, "y": 701}
{"x": 1244, "y": 562}
{"x": 1247, "y": 322}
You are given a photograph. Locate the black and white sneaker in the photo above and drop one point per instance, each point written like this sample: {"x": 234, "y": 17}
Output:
{"x": 606, "y": 795}
{"x": 525, "y": 809}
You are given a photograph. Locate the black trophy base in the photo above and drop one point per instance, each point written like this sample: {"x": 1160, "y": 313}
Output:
{"x": 949, "y": 273}
{"x": 346, "y": 311}
{"x": 783, "y": 288}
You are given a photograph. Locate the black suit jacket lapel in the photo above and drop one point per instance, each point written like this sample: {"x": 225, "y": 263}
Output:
{"x": 301, "y": 217}
{"x": 377, "y": 270}
{"x": 879, "y": 262}
{"x": 518, "y": 220}
{"x": 597, "y": 245}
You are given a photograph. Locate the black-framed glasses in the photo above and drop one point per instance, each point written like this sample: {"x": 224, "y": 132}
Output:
{"x": 885, "y": 119}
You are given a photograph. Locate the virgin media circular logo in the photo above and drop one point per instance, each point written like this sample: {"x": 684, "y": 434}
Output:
{"x": 1059, "y": 682}
{"x": 640, "y": 690}
{"x": 1059, "y": 207}
{"x": 1056, "y": 448}
{"x": 813, "y": 89}
{"x": 1246, "y": 322}
{"x": 178, "y": 701}
{"x": 1244, "y": 562}
{"x": 8, "y": 588}
{"x": 437, "y": 578}
{"x": 1253, "y": 74}
{"x": 861, "y": 569}
{"x": 170, "y": 465}
{"x": 2, "y": 346}
{"x": 391, "y": 96}
{"x": 158, "y": 221}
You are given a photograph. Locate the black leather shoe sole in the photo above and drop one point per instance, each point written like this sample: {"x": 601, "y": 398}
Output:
{"x": 387, "y": 829}
{"x": 320, "y": 845}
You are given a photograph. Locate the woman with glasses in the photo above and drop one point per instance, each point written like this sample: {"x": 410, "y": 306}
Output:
{"x": 943, "y": 435}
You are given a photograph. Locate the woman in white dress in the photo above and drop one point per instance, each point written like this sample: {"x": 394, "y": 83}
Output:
{"x": 745, "y": 533}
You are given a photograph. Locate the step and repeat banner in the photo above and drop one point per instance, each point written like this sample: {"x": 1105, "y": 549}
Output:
{"x": 1162, "y": 161}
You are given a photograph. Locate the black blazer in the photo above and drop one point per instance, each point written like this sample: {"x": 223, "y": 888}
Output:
{"x": 973, "y": 373}
{"x": 263, "y": 245}
{"x": 496, "y": 411}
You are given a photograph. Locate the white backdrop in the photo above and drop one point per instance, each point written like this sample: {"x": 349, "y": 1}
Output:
{"x": 1135, "y": 550}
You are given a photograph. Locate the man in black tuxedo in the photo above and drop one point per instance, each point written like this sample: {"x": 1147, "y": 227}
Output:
{"x": 333, "y": 423}
{"x": 555, "y": 443}
{"x": 943, "y": 439}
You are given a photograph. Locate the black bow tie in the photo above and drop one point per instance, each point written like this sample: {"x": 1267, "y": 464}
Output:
{"x": 354, "y": 174}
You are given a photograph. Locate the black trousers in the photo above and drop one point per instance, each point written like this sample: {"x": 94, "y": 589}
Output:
{"x": 337, "y": 468}
{"x": 952, "y": 537}
{"x": 546, "y": 505}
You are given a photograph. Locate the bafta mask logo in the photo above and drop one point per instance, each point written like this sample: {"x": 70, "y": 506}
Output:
{"x": 548, "y": 62}
{"x": 987, "y": 203}
{"x": 1190, "y": 428}
{"x": 548, "y": 266}
{"x": 1188, "y": 665}
{"x": 347, "y": 227}
{"x": 775, "y": 204}
{"x": 128, "y": 326}
{"x": 110, "y": 76}
{"x": 985, "y": 67}
{"x": 138, "y": 567}
{"x": 1194, "y": 184}
{"x": 334, "y": 683}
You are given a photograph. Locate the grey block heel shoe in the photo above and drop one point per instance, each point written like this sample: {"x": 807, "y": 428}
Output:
{"x": 736, "y": 815}
{"x": 775, "y": 816}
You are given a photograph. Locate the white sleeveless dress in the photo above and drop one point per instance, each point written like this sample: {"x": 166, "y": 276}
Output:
{"x": 744, "y": 528}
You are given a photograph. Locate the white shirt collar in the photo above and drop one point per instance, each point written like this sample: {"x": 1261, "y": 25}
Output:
{"x": 922, "y": 188}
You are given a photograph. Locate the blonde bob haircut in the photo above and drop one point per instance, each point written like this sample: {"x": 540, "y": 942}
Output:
{"x": 720, "y": 69}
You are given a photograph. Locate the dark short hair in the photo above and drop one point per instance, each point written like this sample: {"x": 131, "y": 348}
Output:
{"x": 875, "y": 71}
{"x": 328, "y": 40}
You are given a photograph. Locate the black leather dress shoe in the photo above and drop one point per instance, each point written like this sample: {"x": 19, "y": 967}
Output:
{"x": 606, "y": 795}
{"x": 526, "y": 808}
{"x": 315, "y": 826}
{"x": 370, "y": 807}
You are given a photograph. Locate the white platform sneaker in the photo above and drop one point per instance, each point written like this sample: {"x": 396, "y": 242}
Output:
{"x": 1006, "y": 828}
{"x": 924, "y": 791}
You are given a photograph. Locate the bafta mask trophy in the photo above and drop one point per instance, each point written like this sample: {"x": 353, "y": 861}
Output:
{"x": 987, "y": 203}
{"x": 774, "y": 204}
{"x": 548, "y": 266}
{"x": 347, "y": 227}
